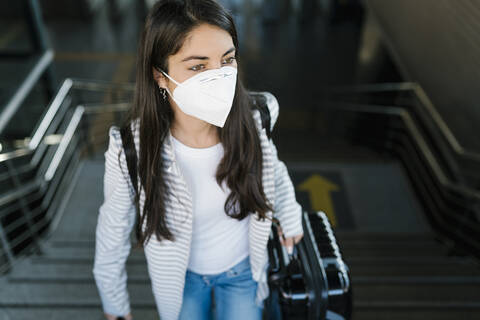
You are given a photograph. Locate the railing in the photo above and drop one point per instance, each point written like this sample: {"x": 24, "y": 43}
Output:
{"x": 41, "y": 70}
{"x": 36, "y": 177}
{"x": 25, "y": 88}
{"x": 411, "y": 97}
{"x": 431, "y": 159}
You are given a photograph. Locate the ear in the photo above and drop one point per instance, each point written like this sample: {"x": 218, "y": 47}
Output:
{"x": 159, "y": 78}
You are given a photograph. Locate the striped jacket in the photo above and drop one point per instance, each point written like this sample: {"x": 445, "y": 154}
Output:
{"x": 167, "y": 260}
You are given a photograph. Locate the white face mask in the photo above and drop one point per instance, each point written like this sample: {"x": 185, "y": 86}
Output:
{"x": 207, "y": 95}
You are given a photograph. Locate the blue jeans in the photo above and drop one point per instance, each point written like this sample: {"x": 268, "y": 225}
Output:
{"x": 234, "y": 292}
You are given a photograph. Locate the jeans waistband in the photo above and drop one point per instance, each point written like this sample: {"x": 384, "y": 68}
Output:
{"x": 238, "y": 267}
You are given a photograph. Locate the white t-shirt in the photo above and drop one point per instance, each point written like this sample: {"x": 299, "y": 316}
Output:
{"x": 218, "y": 241}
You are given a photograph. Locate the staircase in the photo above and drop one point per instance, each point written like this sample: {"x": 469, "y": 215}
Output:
{"x": 57, "y": 283}
{"x": 409, "y": 276}
{"x": 394, "y": 275}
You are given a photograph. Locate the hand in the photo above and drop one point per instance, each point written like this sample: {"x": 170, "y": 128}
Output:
{"x": 290, "y": 241}
{"x": 112, "y": 317}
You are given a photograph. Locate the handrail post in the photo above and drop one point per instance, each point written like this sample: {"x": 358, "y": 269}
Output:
{"x": 6, "y": 247}
{"x": 23, "y": 205}
{"x": 40, "y": 41}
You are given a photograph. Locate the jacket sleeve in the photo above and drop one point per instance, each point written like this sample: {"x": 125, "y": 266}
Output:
{"x": 286, "y": 208}
{"x": 112, "y": 237}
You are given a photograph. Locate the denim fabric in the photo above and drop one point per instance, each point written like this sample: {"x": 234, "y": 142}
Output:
{"x": 234, "y": 293}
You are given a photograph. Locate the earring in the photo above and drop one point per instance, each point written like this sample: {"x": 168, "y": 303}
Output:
{"x": 164, "y": 92}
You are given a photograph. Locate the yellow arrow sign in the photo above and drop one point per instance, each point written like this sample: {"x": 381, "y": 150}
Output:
{"x": 319, "y": 190}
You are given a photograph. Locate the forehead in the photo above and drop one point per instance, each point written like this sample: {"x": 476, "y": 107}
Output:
{"x": 205, "y": 40}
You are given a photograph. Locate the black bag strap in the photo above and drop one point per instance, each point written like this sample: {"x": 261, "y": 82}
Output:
{"x": 131, "y": 158}
{"x": 130, "y": 155}
{"x": 260, "y": 103}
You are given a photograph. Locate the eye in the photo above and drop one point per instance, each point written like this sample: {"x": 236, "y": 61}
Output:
{"x": 197, "y": 67}
{"x": 230, "y": 60}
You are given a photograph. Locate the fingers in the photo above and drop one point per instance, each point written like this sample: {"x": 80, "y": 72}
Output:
{"x": 289, "y": 244}
{"x": 290, "y": 241}
{"x": 110, "y": 316}
{"x": 280, "y": 235}
{"x": 286, "y": 242}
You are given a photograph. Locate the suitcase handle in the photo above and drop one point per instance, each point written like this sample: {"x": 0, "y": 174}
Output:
{"x": 301, "y": 277}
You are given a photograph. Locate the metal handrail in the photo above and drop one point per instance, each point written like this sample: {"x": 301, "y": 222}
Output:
{"x": 465, "y": 192}
{"x": 398, "y": 111}
{"x": 80, "y": 111}
{"x": 67, "y": 137}
{"x": 425, "y": 102}
{"x": 67, "y": 86}
{"x": 34, "y": 146}
{"x": 52, "y": 111}
{"x": 45, "y": 184}
{"x": 17, "y": 153}
{"x": 21, "y": 94}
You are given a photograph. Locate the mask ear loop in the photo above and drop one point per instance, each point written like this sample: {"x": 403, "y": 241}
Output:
{"x": 170, "y": 78}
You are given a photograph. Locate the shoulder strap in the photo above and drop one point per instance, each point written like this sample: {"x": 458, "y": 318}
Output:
{"x": 260, "y": 103}
{"x": 130, "y": 155}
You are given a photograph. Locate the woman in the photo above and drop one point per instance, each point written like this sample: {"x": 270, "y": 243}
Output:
{"x": 210, "y": 177}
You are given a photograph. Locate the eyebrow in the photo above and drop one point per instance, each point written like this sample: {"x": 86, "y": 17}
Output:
{"x": 206, "y": 58}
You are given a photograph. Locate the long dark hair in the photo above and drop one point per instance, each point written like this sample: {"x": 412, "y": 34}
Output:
{"x": 166, "y": 27}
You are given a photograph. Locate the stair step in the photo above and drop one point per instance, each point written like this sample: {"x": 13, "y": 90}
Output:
{"x": 60, "y": 242}
{"x": 62, "y": 277}
{"x": 343, "y": 236}
{"x": 362, "y": 243}
{"x": 90, "y": 312}
{"x": 385, "y": 250}
{"x": 68, "y": 271}
{"x": 384, "y": 236}
{"x": 466, "y": 262}
{"x": 357, "y": 261}
{"x": 80, "y": 260}
{"x": 81, "y": 252}
{"x": 346, "y": 251}
{"x": 412, "y": 310}
{"x": 409, "y": 268}
{"x": 468, "y": 292}
{"x": 65, "y": 294}
{"x": 417, "y": 280}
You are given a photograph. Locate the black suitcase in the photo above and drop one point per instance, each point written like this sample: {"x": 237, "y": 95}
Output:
{"x": 311, "y": 283}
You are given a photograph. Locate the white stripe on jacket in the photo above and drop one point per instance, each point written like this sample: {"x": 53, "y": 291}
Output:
{"x": 167, "y": 260}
